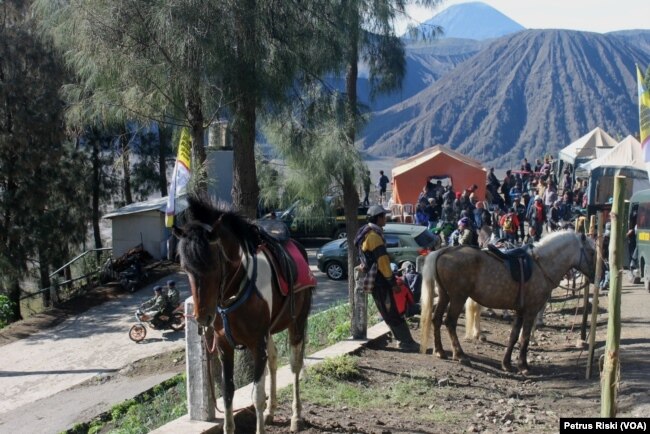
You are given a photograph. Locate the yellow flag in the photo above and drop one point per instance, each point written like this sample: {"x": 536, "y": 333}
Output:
{"x": 644, "y": 115}
{"x": 181, "y": 175}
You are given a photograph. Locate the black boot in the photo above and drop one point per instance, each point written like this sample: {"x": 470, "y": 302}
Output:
{"x": 402, "y": 334}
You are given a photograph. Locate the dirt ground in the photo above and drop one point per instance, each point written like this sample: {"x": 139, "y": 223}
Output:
{"x": 480, "y": 397}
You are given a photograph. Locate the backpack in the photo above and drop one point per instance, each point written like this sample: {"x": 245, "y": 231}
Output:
{"x": 508, "y": 225}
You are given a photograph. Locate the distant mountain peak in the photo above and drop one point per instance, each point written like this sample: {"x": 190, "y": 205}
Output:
{"x": 473, "y": 20}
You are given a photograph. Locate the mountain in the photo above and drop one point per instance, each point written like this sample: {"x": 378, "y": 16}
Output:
{"x": 526, "y": 94}
{"x": 473, "y": 20}
{"x": 636, "y": 38}
{"x": 425, "y": 63}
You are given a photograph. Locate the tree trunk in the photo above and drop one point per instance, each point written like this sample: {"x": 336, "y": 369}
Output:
{"x": 126, "y": 166}
{"x": 350, "y": 195}
{"x": 164, "y": 141}
{"x": 13, "y": 293}
{"x": 197, "y": 131}
{"x": 96, "y": 191}
{"x": 44, "y": 272}
{"x": 245, "y": 191}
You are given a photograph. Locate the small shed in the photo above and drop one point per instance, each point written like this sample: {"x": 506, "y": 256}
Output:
{"x": 142, "y": 223}
{"x": 412, "y": 174}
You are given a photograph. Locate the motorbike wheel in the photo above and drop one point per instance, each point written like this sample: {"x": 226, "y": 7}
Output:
{"x": 178, "y": 322}
{"x": 137, "y": 332}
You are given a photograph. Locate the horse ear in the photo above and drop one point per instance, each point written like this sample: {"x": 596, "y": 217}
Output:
{"x": 178, "y": 232}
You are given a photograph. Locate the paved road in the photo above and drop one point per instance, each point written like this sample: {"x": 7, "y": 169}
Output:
{"x": 38, "y": 372}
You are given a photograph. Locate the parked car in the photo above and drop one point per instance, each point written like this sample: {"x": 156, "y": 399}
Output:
{"x": 330, "y": 224}
{"x": 404, "y": 242}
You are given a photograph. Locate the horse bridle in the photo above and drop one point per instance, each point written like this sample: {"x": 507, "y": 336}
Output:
{"x": 583, "y": 254}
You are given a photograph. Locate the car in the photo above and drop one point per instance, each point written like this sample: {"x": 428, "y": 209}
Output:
{"x": 328, "y": 224}
{"x": 404, "y": 242}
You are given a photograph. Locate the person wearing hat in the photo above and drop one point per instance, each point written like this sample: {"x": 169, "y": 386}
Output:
{"x": 537, "y": 216}
{"x": 173, "y": 297}
{"x": 465, "y": 232}
{"x": 379, "y": 279}
{"x": 155, "y": 306}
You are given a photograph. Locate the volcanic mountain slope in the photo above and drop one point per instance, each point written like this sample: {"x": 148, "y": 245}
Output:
{"x": 527, "y": 94}
{"x": 472, "y": 20}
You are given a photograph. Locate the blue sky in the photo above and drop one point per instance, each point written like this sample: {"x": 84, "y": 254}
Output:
{"x": 591, "y": 15}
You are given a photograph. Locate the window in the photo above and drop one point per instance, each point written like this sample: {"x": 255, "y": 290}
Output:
{"x": 392, "y": 240}
{"x": 643, "y": 217}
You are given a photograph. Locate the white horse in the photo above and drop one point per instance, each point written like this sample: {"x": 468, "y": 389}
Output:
{"x": 463, "y": 271}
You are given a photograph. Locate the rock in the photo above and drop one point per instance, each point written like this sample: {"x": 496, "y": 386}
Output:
{"x": 431, "y": 407}
{"x": 472, "y": 428}
{"x": 511, "y": 401}
{"x": 380, "y": 423}
{"x": 501, "y": 401}
{"x": 443, "y": 382}
{"x": 508, "y": 417}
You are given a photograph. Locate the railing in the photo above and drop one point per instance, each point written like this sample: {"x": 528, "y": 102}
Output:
{"x": 70, "y": 281}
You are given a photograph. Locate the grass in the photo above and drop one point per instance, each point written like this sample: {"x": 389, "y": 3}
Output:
{"x": 339, "y": 382}
{"x": 168, "y": 401}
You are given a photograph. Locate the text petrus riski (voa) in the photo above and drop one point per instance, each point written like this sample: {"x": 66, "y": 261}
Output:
{"x": 618, "y": 425}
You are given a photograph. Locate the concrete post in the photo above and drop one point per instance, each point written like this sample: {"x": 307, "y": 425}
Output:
{"x": 201, "y": 367}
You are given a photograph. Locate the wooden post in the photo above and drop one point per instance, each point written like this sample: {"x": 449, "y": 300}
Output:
{"x": 585, "y": 298}
{"x": 596, "y": 291}
{"x": 200, "y": 375}
{"x": 611, "y": 367}
{"x": 360, "y": 307}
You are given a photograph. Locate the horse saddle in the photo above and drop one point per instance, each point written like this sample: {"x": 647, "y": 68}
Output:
{"x": 519, "y": 261}
{"x": 290, "y": 267}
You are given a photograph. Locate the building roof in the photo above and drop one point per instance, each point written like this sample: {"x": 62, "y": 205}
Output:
{"x": 155, "y": 204}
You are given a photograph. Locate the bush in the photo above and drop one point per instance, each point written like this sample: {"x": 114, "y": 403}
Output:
{"x": 6, "y": 310}
{"x": 341, "y": 368}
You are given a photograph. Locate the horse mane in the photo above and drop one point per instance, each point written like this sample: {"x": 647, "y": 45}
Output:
{"x": 549, "y": 239}
{"x": 195, "y": 250}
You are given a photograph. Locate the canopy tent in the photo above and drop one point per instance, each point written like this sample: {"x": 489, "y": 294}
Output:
{"x": 594, "y": 144}
{"x": 626, "y": 159}
{"x": 412, "y": 174}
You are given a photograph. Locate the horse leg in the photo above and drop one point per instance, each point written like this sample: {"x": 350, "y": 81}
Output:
{"x": 443, "y": 301}
{"x": 455, "y": 308}
{"x": 514, "y": 334}
{"x": 297, "y": 331}
{"x": 259, "y": 380}
{"x": 523, "y": 344}
{"x": 273, "y": 367}
{"x": 228, "y": 389}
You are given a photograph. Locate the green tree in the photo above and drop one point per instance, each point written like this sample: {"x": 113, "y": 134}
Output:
{"x": 42, "y": 206}
{"x": 369, "y": 37}
{"x": 182, "y": 61}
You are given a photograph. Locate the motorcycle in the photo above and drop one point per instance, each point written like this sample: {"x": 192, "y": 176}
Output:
{"x": 167, "y": 321}
{"x": 132, "y": 278}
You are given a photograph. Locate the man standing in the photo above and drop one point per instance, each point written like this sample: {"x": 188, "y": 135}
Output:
{"x": 379, "y": 280}
{"x": 383, "y": 184}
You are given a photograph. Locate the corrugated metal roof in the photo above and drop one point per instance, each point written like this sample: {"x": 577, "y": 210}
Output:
{"x": 155, "y": 204}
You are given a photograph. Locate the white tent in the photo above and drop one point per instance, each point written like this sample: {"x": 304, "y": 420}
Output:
{"x": 626, "y": 159}
{"x": 592, "y": 145}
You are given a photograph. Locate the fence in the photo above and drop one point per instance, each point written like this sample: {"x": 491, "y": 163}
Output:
{"x": 87, "y": 266}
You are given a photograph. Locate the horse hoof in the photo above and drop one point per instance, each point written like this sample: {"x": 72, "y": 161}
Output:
{"x": 482, "y": 338}
{"x": 465, "y": 361}
{"x": 441, "y": 355}
{"x": 506, "y": 367}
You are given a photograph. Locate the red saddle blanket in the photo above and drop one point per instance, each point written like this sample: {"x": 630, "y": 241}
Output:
{"x": 304, "y": 277}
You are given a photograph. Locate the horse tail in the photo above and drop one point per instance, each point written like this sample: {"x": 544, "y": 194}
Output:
{"x": 472, "y": 319}
{"x": 429, "y": 278}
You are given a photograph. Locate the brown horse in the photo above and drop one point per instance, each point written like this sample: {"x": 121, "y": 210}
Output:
{"x": 464, "y": 271}
{"x": 236, "y": 293}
